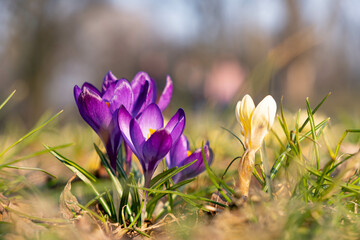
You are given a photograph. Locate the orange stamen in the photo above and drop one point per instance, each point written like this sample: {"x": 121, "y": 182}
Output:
{"x": 188, "y": 153}
{"x": 151, "y": 132}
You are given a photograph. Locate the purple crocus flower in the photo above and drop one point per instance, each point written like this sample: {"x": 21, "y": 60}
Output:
{"x": 147, "y": 137}
{"x": 180, "y": 155}
{"x": 99, "y": 109}
{"x": 144, "y": 93}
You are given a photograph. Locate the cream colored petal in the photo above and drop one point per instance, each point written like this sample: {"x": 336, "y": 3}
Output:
{"x": 247, "y": 107}
{"x": 262, "y": 120}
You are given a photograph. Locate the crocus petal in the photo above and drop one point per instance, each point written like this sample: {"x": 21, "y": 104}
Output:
{"x": 90, "y": 87}
{"x": 136, "y": 85}
{"x": 176, "y": 125}
{"x": 140, "y": 99}
{"x": 237, "y": 114}
{"x": 77, "y": 92}
{"x": 108, "y": 79}
{"x": 178, "y": 152}
{"x": 247, "y": 108}
{"x": 262, "y": 120}
{"x": 137, "y": 137}
{"x": 124, "y": 119}
{"x": 119, "y": 93}
{"x": 197, "y": 167}
{"x": 151, "y": 118}
{"x": 165, "y": 97}
{"x": 113, "y": 144}
{"x": 155, "y": 148}
{"x": 94, "y": 110}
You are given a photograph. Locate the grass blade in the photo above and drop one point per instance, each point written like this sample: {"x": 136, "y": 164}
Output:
{"x": 161, "y": 175}
{"x": 30, "y": 133}
{"x": 31, "y": 169}
{"x": 85, "y": 176}
{"x": 183, "y": 195}
{"x": 72, "y": 164}
{"x": 35, "y": 154}
{"x": 7, "y": 99}
{"x": 313, "y": 133}
{"x": 234, "y": 135}
{"x": 172, "y": 173}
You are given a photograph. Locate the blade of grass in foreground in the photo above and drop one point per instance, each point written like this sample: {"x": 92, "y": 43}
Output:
{"x": 183, "y": 195}
{"x": 172, "y": 173}
{"x": 278, "y": 163}
{"x": 30, "y": 133}
{"x": 31, "y": 169}
{"x": 72, "y": 164}
{"x": 35, "y": 154}
{"x": 83, "y": 175}
{"x": 213, "y": 177}
{"x": 313, "y": 133}
{"x": 114, "y": 180}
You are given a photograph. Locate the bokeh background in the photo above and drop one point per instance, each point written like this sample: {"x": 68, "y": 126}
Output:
{"x": 215, "y": 51}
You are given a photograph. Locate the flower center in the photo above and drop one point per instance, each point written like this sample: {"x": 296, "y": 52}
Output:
{"x": 188, "y": 153}
{"x": 107, "y": 104}
{"x": 151, "y": 132}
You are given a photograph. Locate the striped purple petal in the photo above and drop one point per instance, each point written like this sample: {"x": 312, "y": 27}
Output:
{"x": 151, "y": 119}
{"x": 108, "y": 79}
{"x": 119, "y": 93}
{"x": 165, "y": 97}
{"x": 176, "y": 125}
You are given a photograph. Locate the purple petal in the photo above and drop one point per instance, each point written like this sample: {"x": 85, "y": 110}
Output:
{"x": 137, "y": 137}
{"x": 151, "y": 118}
{"x": 178, "y": 152}
{"x": 140, "y": 100}
{"x": 91, "y": 87}
{"x": 94, "y": 111}
{"x": 108, "y": 79}
{"x": 119, "y": 93}
{"x": 197, "y": 167}
{"x": 155, "y": 148}
{"x": 176, "y": 124}
{"x": 136, "y": 85}
{"x": 124, "y": 119}
{"x": 165, "y": 97}
{"x": 113, "y": 143}
{"x": 77, "y": 92}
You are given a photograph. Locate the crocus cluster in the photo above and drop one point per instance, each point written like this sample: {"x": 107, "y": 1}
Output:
{"x": 100, "y": 109}
{"x": 255, "y": 123}
{"x": 128, "y": 113}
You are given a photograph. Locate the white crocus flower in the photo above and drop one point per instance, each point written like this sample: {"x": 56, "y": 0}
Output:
{"x": 255, "y": 123}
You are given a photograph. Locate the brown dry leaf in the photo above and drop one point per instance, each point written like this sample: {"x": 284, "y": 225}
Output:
{"x": 3, "y": 202}
{"x": 68, "y": 202}
{"x": 214, "y": 208}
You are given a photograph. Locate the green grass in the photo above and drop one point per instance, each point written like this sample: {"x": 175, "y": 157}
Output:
{"x": 306, "y": 185}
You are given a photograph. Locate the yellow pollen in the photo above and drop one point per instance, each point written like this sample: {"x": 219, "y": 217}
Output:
{"x": 188, "y": 153}
{"x": 107, "y": 104}
{"x": 151, "y": 132}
